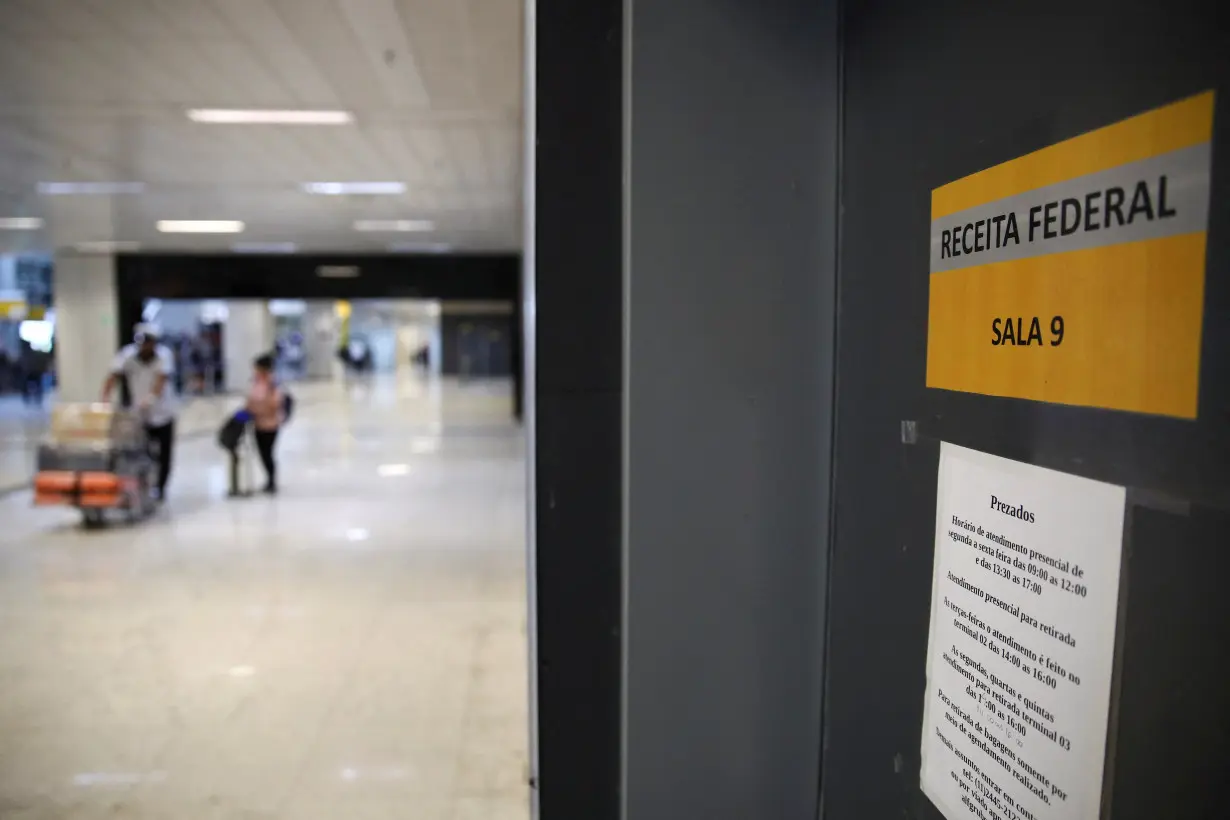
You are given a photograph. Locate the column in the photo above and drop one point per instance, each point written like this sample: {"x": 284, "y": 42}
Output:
{"x": 517, "y": 354}
{"x": 320, "y": 339}
{"x": 729, "y": 289}
{"x": 435, "y": 341}
{"x": 574, "y": 300}
{"x": 682, "y": 404}
{"x": 248, "y": 333}
{"x": 85, "y": 310}
{"x": 84, "y": 294}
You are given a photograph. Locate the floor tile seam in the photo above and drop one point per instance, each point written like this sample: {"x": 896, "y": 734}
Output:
{"x": 346, "y": 682}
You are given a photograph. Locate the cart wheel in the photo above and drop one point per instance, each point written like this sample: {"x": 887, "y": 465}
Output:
{"x": 92, "y": 518}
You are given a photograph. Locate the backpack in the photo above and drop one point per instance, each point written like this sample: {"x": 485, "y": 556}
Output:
{"x": 233, "y": 431}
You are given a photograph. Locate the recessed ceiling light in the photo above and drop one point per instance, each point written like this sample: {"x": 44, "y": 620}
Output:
{"x": 113, "y": 779}
{"x": 69, "y": 188}
{"x": 200, "y": 226}
{"x": 21, "y": 223}
{"x": 107, "y": 246}
{"x": 355, "y": 188}
{"x": 264, "y": 247}
{"x": 256, "y": 116}
{"x": 394, "y": 225}
{"x": 393, "y": 470}
{"x": 357, "y": 534}
{"x": 419, "y": 247}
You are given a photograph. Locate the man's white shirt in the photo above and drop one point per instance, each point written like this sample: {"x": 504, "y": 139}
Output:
{"x": 141, "y": 377}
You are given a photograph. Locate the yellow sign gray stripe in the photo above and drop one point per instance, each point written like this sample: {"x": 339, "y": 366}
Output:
{"x": 1166, "y": 195}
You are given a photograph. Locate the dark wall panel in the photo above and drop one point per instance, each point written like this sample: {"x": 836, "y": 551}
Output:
{"x": 493, "y": 277}
{"x": 732, "y": 171}
{"x": 477, "y": 277}
{"x": 935, "y": 91}
{"x": 577, "y": 404}
{"x": 294, "y": 276}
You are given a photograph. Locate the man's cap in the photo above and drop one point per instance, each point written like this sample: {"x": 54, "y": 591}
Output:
{"x": 146, "y": 330}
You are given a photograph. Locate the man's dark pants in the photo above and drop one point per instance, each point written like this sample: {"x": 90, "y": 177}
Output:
{"x": 161, "y": 442}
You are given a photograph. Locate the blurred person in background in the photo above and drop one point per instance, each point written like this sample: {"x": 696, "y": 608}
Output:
{"x": 146, "y": 369}
{"x": 8, "y": 372}
{"x": 196, "y": 366}
{"x": 266, "y": 404}
{"x": 33, "y": 365}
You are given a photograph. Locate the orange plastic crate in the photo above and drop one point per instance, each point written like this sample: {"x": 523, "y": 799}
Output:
{"x": 100, "y": 500}
{"x": 55, "y": 481}
{"x": 100, "y": 483}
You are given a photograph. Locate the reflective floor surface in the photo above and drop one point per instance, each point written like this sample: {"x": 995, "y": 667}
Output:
{"x": 353, "y": 648}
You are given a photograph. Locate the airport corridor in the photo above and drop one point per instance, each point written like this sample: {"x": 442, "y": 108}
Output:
{"x": 352, "y": 648}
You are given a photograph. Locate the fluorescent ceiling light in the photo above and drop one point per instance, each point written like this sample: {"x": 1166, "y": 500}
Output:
{"x": 357, "y": 188}
{"x": 21, "y": 223}
{"x": 200, "y": 226}
{"x": 394, "y": 225}
{"x": 69, "y": 188}
{"x": 264, "y": 247}
{"x": 419, "y": 247}
{"x": 256, "y": 116}
{"x": 393, "y": 470}
{"x": 107, "y": 246}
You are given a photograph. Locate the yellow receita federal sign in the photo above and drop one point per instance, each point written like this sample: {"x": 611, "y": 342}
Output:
{"x": 1075, "y": 274}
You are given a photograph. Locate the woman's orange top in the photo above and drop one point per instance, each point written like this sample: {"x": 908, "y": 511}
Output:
{"x": 265, "y": 404}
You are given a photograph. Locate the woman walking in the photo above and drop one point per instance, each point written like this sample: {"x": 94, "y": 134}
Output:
{"x": 266, "y": 405}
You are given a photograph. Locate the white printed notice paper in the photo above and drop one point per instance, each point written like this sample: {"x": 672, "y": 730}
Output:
{"x": 1023, "y": 608}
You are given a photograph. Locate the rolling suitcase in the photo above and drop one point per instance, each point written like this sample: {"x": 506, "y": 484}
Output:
{"x": 234, "y": 438}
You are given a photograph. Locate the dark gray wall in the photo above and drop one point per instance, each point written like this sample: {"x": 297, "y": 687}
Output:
{"x": 725, "y": 410}
{"x": 934, "y": 91}
{"x": 731, "y": 162}
{"x": 474, "y": 278}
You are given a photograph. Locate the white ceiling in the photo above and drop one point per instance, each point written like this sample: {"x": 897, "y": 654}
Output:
{"x": 96, "y": 90}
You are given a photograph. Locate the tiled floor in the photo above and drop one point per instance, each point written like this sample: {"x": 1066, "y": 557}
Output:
{"x": 354, "y": 648}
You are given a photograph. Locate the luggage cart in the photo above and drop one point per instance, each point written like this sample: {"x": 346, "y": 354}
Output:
{"x": 97, "y": 459}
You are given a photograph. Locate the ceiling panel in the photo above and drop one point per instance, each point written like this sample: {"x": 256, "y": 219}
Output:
{"x": 378, "y": 28}
{"x": 438, "y": 36}
{"x": 97, "y": 90}
{"x": 264, "y": 33}
{"x": 465, "y": 145}
{"x": 498, "y": 30}
{"x": 187, "y": 19}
